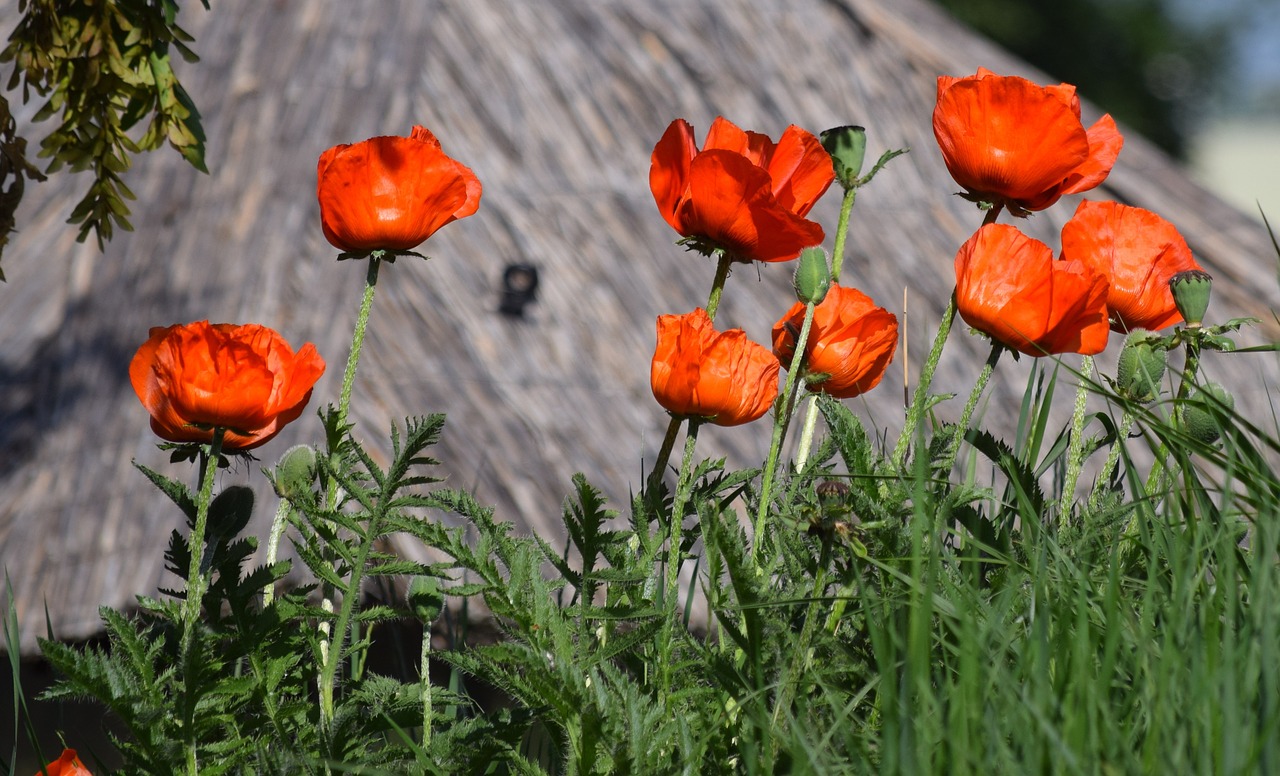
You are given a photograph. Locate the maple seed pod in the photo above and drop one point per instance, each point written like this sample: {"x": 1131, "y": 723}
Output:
{"x": 812, "y": 279}
{"x": 296, "y": 472}
{"x": 1141, "y": 366}
{"x": 425, "y": 598}
{"x": 1191, "y": 295}
{"x": 1202, "y": 417}
{"x": 847, "y": 147}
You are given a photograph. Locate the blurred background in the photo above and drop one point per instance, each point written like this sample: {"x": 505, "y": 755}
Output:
{"x": 1200, "y": 79}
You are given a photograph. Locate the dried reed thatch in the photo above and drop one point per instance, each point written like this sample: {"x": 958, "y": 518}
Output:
{"x": 556, "y": 106}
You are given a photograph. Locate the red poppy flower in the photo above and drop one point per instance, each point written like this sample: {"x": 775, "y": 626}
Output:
{"x": 1009, "y": 287}
{"x": 850, "y": 339}
{"x": 742, "y": 192}
{"x": 66, "y": 765}
{"x": 245, "y": 379}
{"x": 1010, "y": 142}
{"x": 1139, "y": 252}
{"x": 719, "y": 376}
{"x": 391, "y": 193}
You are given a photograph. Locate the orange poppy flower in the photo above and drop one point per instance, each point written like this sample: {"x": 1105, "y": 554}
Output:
{"x": 722, "y": 377}
{"x": 1139, "y": 252}
{"x": 850, "y": 340}
{"x": 1010, "y": 142}
{"x": 66, "y": 765}
{"x": 742, "y": 192}
{"x": 245, "y": 379}
{"x": 391, "y": 193}
{"x": 1009, "y": 287}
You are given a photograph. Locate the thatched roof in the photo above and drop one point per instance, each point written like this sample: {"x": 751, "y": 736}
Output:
{"x": 556, "y": 106}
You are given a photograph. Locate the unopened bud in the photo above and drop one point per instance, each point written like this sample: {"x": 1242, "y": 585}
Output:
{"x": 1191, "y": 295}
{"x": 425, "y": 598}
{"x": 296, "y": 472}
{"x": 1141, "y": 366}
{"x": 812, "y": 279}
{"x": 1205, "y": 412}
{"x": 847, "y": 147}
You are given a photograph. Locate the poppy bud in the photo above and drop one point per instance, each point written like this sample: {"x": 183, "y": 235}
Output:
{"x": 1191, "y": 295}
{"x": 1202, "y": 413}
{"x": 847, "y": 146}
{"x": 296, "y": 472}
{"x": 812, "y": 278}
{"x": 425, "y": 598}
{"x": 1141, "y": 366}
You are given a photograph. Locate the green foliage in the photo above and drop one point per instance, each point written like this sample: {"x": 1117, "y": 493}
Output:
{"x": 104, "y": 71}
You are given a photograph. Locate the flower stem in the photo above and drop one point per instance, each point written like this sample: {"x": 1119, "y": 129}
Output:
{"x": 984, "y": 377}
{"x": 683, "y": 487}
{"x": 426, "y": 686}
{"x": 1109, "y": 466}
{"x": 357, "y": 338}
{"x": 717, "y": 283}
{"x": 273, "y": 547}
{"x": 1075, "y": 452}
{"x": 921, "y": 396}
{"x": 842, "y": 233}
{"x": 664, "y": 455}
{"x": 806, "y": 433}
{"x": 780, "y": 424}
{"x": 195, "y": 577}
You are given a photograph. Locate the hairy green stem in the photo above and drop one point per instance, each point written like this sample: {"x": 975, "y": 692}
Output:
{"x": 191, "y": 605}
{"x": 984, "y": 377}
{"x": 683, "y": 487}
{"x": 921, "y": 396}
{"x": 1190, "y": 370}
{"x": 278, "y": 524}
{"x": 329, "y": 671}
{"x": 806, "y": 433}
{"x": 1109, "y": 466}
{"x": 780, "y": 424}
{"x": 804, "y": 653}
{"x": 357, "y": 337}
{"x": 664, "y": 454}
{"x": 842, "y": 232}
{"x": 1075, "y": 452}
{"x": 425, "y": 676}
{"x": 724, "y": 261}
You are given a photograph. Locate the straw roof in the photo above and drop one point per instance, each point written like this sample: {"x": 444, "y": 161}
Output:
{"x": 556, "y": 106}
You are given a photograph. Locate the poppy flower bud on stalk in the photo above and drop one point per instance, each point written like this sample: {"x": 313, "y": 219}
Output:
{"x": 296, "y": 472}
{"x": 1191, "y": 291}
{"x": 847, "y": 146}
{"x": 812, "y": 278}
{"x": 1203, "y": 413}
{"x": 425, "y": 599}
{"x": 1141, "y": 366}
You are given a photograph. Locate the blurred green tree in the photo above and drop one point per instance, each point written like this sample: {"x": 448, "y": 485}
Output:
{"x": 103, "y": 69}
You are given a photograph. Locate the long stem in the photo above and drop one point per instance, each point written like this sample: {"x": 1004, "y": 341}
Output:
{"x": 426, "y": 686}
{"x": 717, "y": 283}
{"x": 1109, "y": 466}
{"x": 196, "y": 581}
{"x": 278, "y": 524}
{"x": 1190, "y": 370}
{"x": 779, "y": 428}
{"x": 953, "y": 447}
{"x": 806, "y": 433}
{"x": 332, "y": 657}
{"x": 922, "y": 388}
{"x": 683, "y": 487}
{"x": 357, "y": 338}
{"x": 664, "y": 454}
{"x": 842, "y": 233}
{"x": 1075, "y": 452}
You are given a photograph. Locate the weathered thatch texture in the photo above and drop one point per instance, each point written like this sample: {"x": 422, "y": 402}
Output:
{"x": 556, "y": 106}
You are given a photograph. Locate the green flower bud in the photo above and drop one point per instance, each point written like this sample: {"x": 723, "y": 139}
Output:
{"x": 296, "y": 472}
{"x": 812, "y": 278}
{"x": 425, "y": 599}
{"x": 1191, "y": 295}
{"x": 847, "y": 146}
{"x": 1204, "y": 417}
{"x": 1141, "y": 366}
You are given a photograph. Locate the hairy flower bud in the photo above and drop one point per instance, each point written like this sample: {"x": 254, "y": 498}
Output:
{"x": 812, "y": 279}
{"x": 1141, "y": 366}
{"x": 1191, "y": 295}
{"x": 847, "y": 146}
{"x": 296, "y": 472}
{"x": 1204, "y": 412}
{"x": 425, "y": 598}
